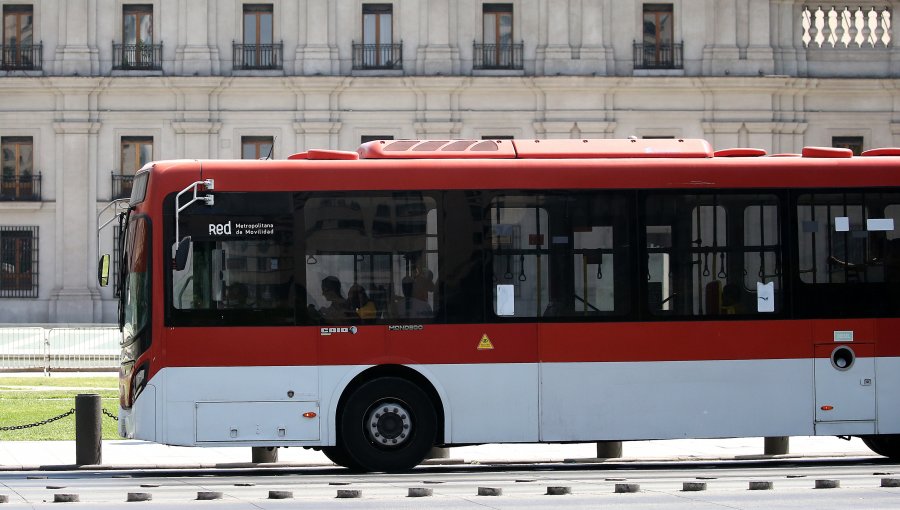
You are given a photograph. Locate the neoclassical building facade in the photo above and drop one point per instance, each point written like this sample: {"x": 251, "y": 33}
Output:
{"x": 92, "y": 89}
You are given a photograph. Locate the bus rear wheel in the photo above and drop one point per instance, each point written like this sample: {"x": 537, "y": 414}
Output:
{"x": 884, "y": 445}
{"x": 388, "y": 424}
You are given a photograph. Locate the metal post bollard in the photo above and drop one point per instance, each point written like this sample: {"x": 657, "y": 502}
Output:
{"x": 88, "y": 430}
{"x": 778, "y": 445}
{"x": 609, "y": 449}
{"x": 264, "y": 454}
{"x": 438, "y": 453}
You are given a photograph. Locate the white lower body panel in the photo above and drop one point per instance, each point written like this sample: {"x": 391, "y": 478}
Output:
{"x": 494, "y": 403}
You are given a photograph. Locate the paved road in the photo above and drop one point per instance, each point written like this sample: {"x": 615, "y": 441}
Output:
{"x": 457, "y": 487}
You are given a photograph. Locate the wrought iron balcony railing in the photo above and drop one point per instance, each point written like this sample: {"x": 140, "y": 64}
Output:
{"x": 497, "y": 56}
{"x": 378, "y": 56}
{"x": 21, "y": 57}
{"x": 658, "y": 56}
{"x": 137, "y": 57}
{"x": 257, "y": 56}
{"x": 21, "y": 188}
{"x": 121, "y": 185}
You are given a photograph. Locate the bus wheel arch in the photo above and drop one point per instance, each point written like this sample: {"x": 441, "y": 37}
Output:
{"x": 375, "y": 411}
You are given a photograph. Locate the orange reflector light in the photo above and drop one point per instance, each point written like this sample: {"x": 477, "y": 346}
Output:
{"x": 827, "y": 408}
{"x": 309, "y": 414}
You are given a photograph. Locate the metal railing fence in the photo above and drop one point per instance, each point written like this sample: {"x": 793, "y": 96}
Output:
{"x": 64, "y": 348}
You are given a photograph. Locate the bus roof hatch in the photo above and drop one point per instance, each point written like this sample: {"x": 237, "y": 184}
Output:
{"x": 437, "y": 149}
{"x": 613, "y": 148}
{"x": 535, "y": 149}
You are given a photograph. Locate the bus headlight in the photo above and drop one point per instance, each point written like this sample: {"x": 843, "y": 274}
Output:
{"x": 140, "y": 380}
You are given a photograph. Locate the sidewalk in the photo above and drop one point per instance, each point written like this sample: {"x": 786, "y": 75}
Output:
{"x": 124, "y": 454}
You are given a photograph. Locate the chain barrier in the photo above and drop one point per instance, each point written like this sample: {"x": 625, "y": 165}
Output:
{"x": 70, "y": 412}
{"x": 39, "y": 423}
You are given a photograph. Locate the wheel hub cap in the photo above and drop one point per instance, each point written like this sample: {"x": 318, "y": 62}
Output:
{"x": 389, "y": 424}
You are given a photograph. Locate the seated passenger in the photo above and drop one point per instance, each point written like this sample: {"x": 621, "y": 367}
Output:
{"x": 338, "y": 309}
{"x": 731, "y": 300}
{"x": 360, "y": 302}
{"x": 410, "y": 307}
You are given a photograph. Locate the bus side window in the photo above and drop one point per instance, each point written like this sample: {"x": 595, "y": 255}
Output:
{"x": 520, "y": 244}
{"x": 712, "y": 254}
{"x": 847, "y": 262}
{"x": 381, "y": 247}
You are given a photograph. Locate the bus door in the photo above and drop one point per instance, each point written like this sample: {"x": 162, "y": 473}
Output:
{"x": 577, "y": 259}
{"x": 845, "y": 377}
{"x": 506, "y": 347}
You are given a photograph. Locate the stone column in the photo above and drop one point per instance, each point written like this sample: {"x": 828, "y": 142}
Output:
{"x": 75, "y": 56}
{"x": 594, "y": 51}
{"x": 315, "y": 54}
{"x": 759, "y": 52}
{"x": 722, "y": 57}
{"x": 786, "y": 34}
{"x": 75, "y": 297}
{"x": 194, "y": 53}
{"x": 435, "y": 55}
{"x": 555, "y": 55}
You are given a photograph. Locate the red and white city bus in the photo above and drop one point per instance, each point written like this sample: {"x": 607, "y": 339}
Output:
{"x": 436, "y": 293}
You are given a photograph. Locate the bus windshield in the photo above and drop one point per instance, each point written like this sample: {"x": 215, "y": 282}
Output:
{"x": 136, "y": 279}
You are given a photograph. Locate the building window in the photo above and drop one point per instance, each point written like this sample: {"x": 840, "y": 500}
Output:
{"x": 497, "y": 137}
{"x": 657, "y": 50}
{"x": 258, "y": 50}
{"x": 854, "y": 143}
{"x": 18, "y": 180}
{"x": 18, "y": 48}
{"x": 498, "y": 50}
{"x": 256, "y": 147}
{"x": 134, "y": 153}
{"x": 378, "y": 50}
{"x": 18, "y": 262}
{"x": 137, "y": 50}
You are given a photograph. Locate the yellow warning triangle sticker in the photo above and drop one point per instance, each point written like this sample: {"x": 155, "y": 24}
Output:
{"x": 485, "y": 343}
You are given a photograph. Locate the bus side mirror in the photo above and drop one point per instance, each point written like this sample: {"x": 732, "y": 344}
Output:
{"x": 181, "y": 253}
{"x": 103, "y": 270}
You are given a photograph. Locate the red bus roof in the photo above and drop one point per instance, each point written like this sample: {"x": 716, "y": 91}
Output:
{"x": 537, "y": 164}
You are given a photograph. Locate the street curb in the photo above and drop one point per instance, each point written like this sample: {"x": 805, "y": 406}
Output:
{"x": 439, "y": 462}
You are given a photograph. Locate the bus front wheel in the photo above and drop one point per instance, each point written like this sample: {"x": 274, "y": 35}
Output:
{"x": 339, "y": 456}
{"x": 388, "y": 424}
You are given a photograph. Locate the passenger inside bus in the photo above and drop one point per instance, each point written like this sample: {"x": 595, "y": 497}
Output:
{"x": 423, "y": 285}
{"x": 360, "y": 302}
{"x": 236, "y": 296}
{"x": 410, "y": 307}
{"x": 338, "y": 309}
{"x": 732, "y": 302}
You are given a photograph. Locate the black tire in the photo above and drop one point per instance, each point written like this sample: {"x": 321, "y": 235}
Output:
{"x": 884, "y": 445}
{"x": 339, "y": 456}
{"x": 388, "y": 424}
